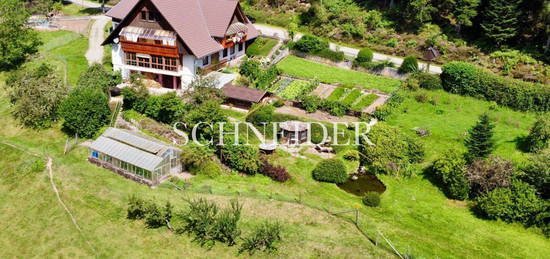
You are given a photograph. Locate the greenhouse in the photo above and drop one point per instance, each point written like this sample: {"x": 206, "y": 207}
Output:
{"x": 135, "y": 156}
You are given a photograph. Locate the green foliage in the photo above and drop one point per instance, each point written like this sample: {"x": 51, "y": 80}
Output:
{"x": 96, "y": 76}
{"x": 261, "y": 77}
{"x": 17, "y": 40}
{"x": 501, "y": 20}
{"x": 518, "y": 203}
{"x": 405, "y": 150}
{"x": 154, "y": 216}
{"x": 351, "y": 155}
{"x": 364, "y": 101}
{"x": 167, "y": 108}
{"x": 409, "y": 65}
{"x": 537, "y": 173}
{"x": 311, "y": 103}
{"x": 85, "y": 111}
{"x": 383, "y": 112}
{"x": 480, "y": 142}
{"x": 364, "y": 56}
{"x": 372, "y": 199}
{"x": 337, "y": 94}
{"x": 352, "y": 96}
{"x": 335, "y": 56}
{"x": 261, "y": 47}
{"x": 198, "y": 160}
{"x": 242, "y": 158}
{"x": 264, "y": 238}
{"x": 310, "y": 44}
{"x": 539, "y": 136}
{"x": 136, "y": 208}
{"x": 208, "y": 223}
{"x": 330, "y": 170}
{"x": 427, "y": 80}
{"x": 135, "y": 95}
{"x": 295, "y": 90}
{"x": 250, "y": 68}
{"x": 335, "y": 108}
{"x": 36, "y": 94}
{"x": 260, "y": 114}
{"x": 450, "y": 170}
{"x": 466, "y": 79}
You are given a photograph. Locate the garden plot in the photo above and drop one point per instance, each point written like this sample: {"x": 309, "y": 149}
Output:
{"x": 291, "y": 89}
{"x": 355, "y": 98}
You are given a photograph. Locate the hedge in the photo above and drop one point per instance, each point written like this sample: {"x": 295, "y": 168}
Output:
{"x": 466, "y": 79}
{"x": 330, "y": 170}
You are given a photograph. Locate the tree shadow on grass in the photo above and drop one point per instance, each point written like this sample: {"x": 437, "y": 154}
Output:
{"x": 521, "y": 143}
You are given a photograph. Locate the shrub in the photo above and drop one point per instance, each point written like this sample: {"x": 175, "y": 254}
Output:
{"x": 210, "y": 169}
{"x": 317, "y": 136}
{"x": 427, "y": 81}
{"x": 518, "y": 203}
{"x": 539, "y": 136}
{"x": 277, "y": 173}
{"x": 330, "y": 170}
{"x": 264, "y": 238}
{"x": 352, "y": 155}
{"x": 409, "y": 65}
{"x": 240, "y": 157}
{"x": 96, "y": 76}
{"x": 154, "y": 217}
{"x": 135, "y": 95}
{"x": 488, "y": 174}
{"x": 310, "y": 44}
{"x": 372, "y": 199}
{"x": 85, "y": 111}
{"x": 405, "y": 150}
{"x": 136, "y": 208}
{"x": 335, "y": 56}
{"x": 250, "y": 68}
{"x": 278, "y": 103}
{"x": 422, "y": 98}
{"x": 208, "y": 223}
{"x": 311, "y": 103}
{"x": 266, "y": 77}
{"x": 260, "y": 114}
{"x": 167, "y": 108}
{"x": 537, "y": 173}
{"x": 335, "y": 108}
{"x": 466, "y": 79}
{"x": 480, "y": 142}
{"x": 450, "y": 170}
{"x": 384, "y": 111}
{"x": 364, "y": 56}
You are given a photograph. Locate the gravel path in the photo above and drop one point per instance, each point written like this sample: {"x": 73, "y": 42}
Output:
{"x": 96, "y": 37}
{"x": 318, "y": 115}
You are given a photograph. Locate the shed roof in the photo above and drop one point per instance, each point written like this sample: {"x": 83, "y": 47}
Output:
{"x": 243, "y": 93}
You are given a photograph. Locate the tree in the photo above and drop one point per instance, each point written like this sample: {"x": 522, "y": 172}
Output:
{"x": 85, "y": 111}
{"x": 36, "y": 93}
{"x": 539, "y": 136}
{"x": 17, "y": 40}
{"x": 480, "y": 141}
{"x": 409, "y": 65}
{"x": 419, "y": 12}
{"x": 135, "y": 95}
{"x": 97, "y": 76}
{"x": 488, "y": 174}
{"x": 500, "y": 20}
{"x": 451, "y": 172}
{"x": 458, "y": 12}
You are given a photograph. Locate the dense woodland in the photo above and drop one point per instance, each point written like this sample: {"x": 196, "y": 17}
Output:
{"x": 509, "y": 37}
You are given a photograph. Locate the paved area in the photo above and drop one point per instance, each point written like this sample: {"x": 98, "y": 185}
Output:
{"x": 324, "y": 90}
{"x": 352, "y": 52}
{"x": 222, "y": 78}
{"x": 96, "y": 37}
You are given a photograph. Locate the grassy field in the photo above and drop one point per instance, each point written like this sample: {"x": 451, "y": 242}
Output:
{"x": 261, "y": 47}
{"x": 77, "y": 10}
{"x": 64, "y": 50}
{"x": 302, "y": 68}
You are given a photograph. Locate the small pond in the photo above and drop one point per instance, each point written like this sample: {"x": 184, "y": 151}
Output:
{"x": 362, "y": 184}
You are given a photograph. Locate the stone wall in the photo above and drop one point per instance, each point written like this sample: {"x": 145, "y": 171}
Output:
{"x": 122, "y": 172}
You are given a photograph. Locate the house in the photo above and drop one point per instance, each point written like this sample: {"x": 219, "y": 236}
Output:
{"x": 169, "y": 41}
{"x": 135, "y": 156}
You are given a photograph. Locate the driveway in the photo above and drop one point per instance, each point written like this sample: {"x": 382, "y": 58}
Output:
{"x": 351, "y": 52}
{"x": 96, "y": 37}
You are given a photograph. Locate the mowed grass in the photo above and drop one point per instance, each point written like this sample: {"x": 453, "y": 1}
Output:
{"x": 302, "y": 68}
{"x": 261, "y": 47}
{"x": 448, "y": 117}
{"x": 64, "y": 50}
{"x": 69, "y": 9}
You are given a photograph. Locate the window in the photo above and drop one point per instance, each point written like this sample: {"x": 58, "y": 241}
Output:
{"x": 131, "y": 59}
{"x": 144, "y": 15}
{"x": 224, "y": 53}
{"x": 149, "y": 16}
{"x": 232, "y": 50}
{"x": 156, "y": 62}
{"x": 95, "y": 154}
{"x": 240, "y": 46}
{"x": 206, "y": 60}
{"x": 143, "y": 61}
{"x": 158, "y": 42}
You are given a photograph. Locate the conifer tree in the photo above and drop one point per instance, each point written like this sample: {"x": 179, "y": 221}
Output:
{"x": 480, "y": 141}
{"x": 500, "y": 20}
{"x": 539, "y": 136}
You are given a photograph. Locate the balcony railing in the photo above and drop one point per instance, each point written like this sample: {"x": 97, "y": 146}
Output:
{"x": 150, "y": 48}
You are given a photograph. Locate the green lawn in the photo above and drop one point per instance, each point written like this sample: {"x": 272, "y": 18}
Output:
{"x": 302, "y": 68}
{"x": 64, "y": 50}
{"x": 261, "y": 47}
{"x": 77, "y": 10}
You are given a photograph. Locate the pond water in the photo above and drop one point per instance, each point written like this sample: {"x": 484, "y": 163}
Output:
{"x": 363, "y": 184}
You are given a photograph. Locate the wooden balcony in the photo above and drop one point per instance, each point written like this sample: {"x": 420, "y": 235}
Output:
{"x": 150, "y": 48}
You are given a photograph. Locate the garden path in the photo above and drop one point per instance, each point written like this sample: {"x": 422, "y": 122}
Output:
{"x": 96, "y": 37}
{"x": 318, "y": 115}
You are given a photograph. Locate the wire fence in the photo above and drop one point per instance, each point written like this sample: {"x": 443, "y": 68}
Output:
{"x": 361, "y": 222}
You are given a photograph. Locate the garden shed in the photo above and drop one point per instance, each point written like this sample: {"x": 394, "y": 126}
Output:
{"x": 135, "y": 156}
{"x": 243, "y": 96}
{"x": 294, "y": 132}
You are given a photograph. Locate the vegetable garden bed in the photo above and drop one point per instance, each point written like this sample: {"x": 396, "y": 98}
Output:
{"x": 352, "y": 97}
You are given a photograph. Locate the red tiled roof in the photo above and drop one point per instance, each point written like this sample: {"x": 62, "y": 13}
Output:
{"x": 195, "y": 21}
{"x": 243, "y": 93}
